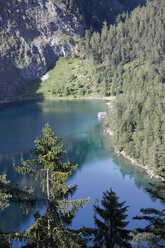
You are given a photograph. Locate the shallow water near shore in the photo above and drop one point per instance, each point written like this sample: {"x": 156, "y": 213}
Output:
{"x": 99, "y": 169}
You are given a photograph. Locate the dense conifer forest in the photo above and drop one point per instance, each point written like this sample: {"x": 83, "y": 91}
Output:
{"x": 128, "y": 59}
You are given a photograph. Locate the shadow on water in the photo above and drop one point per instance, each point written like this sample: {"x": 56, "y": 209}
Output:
{"x": 14, "y": 86}
{"x": 29, "y": 91}
{"x": 82, "y": 136}
{"x": 15, "y": 104}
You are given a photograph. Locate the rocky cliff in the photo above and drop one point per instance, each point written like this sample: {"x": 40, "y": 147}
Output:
{"x": 33, "y": 34}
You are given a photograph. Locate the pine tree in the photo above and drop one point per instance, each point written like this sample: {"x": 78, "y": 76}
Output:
{"x": 51, "y": 229}
{"x": 110, "y": 227}
{"x": 4, "y": 203}
{"x": 4, "y": 194}
{"x": 153, "y": 234}
{"x": 10, "y": 194}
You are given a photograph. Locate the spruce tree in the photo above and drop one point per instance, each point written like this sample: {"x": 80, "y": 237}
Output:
{"x": 52, "y": 229}
{"x": 4, "y": 194}
{"x": 4, "y": 203}
{"x": 153, "y": 234}
{"x": 10, "y": 194}
{"x": 110, "y": 224}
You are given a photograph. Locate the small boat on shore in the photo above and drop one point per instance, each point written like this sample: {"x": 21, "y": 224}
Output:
{"x": 101, "y": 115}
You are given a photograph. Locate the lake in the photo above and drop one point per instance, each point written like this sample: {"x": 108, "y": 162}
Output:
{"x": 99, "y": 168}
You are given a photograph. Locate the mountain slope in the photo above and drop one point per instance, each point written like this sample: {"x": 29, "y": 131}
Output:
{"x": 33, "y": 34}
{"x": 128, "y": 60}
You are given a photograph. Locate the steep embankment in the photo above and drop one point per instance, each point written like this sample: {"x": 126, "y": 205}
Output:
{"x": 33, "y": 34}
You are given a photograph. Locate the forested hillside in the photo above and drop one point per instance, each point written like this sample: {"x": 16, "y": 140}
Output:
{"x": 128, "y": 58}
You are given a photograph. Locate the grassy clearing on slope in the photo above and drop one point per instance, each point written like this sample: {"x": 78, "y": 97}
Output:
{"x": 71, "y": 77}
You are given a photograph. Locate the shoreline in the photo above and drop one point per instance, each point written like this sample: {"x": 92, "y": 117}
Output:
{"x": 149, "y": 172}
{"x": 24, "y": 99}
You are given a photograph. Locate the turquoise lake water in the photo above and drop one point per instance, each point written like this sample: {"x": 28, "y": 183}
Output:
{"x": 99, "y": 169}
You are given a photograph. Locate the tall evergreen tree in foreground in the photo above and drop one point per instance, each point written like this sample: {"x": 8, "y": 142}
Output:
{"x": 110, "y": 224}
{"x": 46, "y": 164}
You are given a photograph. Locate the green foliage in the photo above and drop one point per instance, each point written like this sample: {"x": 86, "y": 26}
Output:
{"x": 125, "y": 58}
{"x": 46, "y": 163}
{"x": 157, "y": 190}
{"x": 129, "y": 60}
{"x": 10, "y": 194}
{"x": 13, "y": 194}
{"x": 5, "y": 240}
{"x": 71, "y": 78}
{"x": 4, "y": 194}
{"x": 154, "y": 235}
{"x": 110, "y": 224}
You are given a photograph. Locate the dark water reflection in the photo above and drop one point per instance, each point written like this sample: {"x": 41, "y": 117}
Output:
{"x": 99, "y": 168}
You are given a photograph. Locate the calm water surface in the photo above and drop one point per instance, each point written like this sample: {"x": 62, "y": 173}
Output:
{"x": 99, "y": 168}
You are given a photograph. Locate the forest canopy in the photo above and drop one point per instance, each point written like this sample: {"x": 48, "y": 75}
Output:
{"x": 128, "y": 61}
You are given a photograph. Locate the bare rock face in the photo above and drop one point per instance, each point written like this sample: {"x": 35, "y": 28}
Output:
{"x": 33, "y": 34}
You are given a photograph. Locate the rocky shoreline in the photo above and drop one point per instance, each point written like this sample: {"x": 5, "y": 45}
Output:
{"x": 149, "y": 172}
